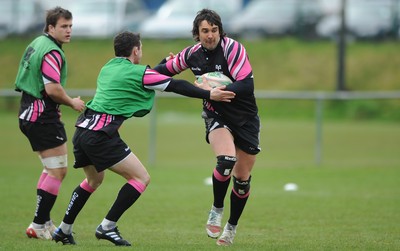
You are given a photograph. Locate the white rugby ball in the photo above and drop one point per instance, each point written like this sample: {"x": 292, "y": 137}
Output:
{"x": 215, "y": 79}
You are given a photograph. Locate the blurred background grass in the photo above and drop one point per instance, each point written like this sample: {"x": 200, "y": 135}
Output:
{"x": 278, "y": 63}
{"x": 284, "y": 64}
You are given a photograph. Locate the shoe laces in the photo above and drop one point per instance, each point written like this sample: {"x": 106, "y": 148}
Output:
{"x": 65, "y": 238}
{"x": 50, "y": 226}
{"x": 114, "y": 233}
{"x": 68, "y": 239}
{"x": 214, "y": 218}
{"x": 229, "y": 234}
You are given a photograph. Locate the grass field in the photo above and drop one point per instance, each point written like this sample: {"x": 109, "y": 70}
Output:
{"x": 349, "y": 202}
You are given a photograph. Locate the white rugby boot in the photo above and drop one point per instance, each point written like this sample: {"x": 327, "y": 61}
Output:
{"x": 50, "y": 226}
{"x": 38, "y": 233}
{"x": 213, "y": 226}
{"x": 227, "y": 236}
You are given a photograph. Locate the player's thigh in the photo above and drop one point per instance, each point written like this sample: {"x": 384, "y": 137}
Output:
{"x": 55, "y": 151}
{"x": 244, "y": 165}
{"x": 132, "y": 168}
{"x": 221, "y": 141}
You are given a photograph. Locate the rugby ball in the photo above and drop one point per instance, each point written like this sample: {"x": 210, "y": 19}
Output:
{"x": 215, "y": 79}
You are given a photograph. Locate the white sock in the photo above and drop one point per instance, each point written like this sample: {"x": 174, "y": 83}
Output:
{"x": 37, "y": 226}
{"x": 218, "y": 210}
{"x": 66, "y": 228}
{"x": 107, "y": 224}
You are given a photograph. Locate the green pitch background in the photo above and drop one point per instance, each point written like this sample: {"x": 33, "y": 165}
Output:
{"x": 350, "y": 202}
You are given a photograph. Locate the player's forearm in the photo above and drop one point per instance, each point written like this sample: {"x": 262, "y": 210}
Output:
{"x": 57, "y": 93}
{"x": 243, "y": 87}
{"x": 185, "y": 88}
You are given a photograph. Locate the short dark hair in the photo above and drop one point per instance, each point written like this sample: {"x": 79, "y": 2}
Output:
{"x": 211, "y": 17}
{"x": 54, "y": 14}
{"x": 124, "y": 43}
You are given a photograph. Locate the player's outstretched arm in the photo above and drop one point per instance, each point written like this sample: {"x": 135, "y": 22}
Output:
{"x": 187, "y": 89}
{"x": 155, "y": 81}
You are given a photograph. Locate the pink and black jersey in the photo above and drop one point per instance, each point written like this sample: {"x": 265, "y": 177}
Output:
{"x": 230, "y": 58}
{"x": 43, "y": 110}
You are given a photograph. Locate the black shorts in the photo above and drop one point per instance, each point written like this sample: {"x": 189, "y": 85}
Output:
{"x": 43, "y": 136}
{"x": 246, "y": 137}
{"x": 98, "y": 149}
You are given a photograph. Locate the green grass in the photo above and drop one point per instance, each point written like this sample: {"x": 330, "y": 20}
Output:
{"x": 278, "y": 64}
{"x": 350, "y": 202}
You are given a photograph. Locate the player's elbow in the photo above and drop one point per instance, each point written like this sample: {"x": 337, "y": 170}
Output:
{"x": 53, "y": 90}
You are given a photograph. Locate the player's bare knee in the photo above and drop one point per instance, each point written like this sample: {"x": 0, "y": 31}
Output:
{"x": 146, "y": 179}
{"x": 143, "y": 178}
{"x": 225, "y": 164}
{"x": 94, "y": 183}
{"x": 59, "y": 173}
{"x": 241, "y": 187}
